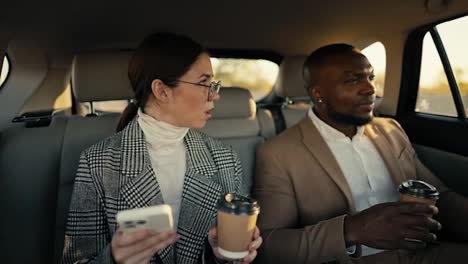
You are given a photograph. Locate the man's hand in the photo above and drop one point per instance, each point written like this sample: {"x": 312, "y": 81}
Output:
{"x": 393, "y": 226}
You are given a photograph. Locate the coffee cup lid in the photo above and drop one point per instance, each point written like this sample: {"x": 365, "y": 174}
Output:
{"x": 233, "y": 203}
{"x": 418, "y": 189}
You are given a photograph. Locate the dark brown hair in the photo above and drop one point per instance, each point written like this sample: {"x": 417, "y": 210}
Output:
{"x": 164, "y": 56}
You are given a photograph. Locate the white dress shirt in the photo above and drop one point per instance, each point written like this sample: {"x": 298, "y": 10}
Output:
{"x": 166, "y": 149}
{"x": 363, "y": 167}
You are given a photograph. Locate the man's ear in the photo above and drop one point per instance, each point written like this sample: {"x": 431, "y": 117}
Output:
{"x": 315, "y": 94}
{"x": 160, "y": 91}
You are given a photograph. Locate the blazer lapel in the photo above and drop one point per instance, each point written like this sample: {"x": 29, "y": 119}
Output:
{"x": 199, "y": 198}
{"x": 383, "y": 147}
{"x": 139, "y": 185}
{"x": 315, "y": 143}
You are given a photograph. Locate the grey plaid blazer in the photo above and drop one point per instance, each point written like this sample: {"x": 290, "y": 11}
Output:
{"x": 116, "y": 174}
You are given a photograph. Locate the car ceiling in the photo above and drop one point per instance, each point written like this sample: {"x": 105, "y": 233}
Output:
{"x": 286, "y": 27}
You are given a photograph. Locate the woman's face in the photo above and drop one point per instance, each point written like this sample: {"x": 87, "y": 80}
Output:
{"x": 188, "y": 105}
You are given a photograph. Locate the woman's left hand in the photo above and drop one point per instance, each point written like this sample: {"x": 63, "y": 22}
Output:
{"x": 253, "y": 246}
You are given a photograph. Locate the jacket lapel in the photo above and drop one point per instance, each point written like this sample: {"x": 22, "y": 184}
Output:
{"x": 199, "y": 198}
{"x": 315, "y": 143}
{"x": 383, "y": 147}
{"x": 139, "y": 185}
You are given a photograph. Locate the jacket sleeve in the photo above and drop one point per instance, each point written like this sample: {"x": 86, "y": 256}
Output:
{"x": 285, "y": 241}
{"x": 422, "y": 172}
{"x": 87, "y": 238}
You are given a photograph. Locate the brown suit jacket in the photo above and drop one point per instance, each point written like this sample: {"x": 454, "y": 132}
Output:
{"x": 305, "y": 197}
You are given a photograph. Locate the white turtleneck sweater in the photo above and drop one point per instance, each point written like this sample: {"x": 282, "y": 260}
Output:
{"x": 166, "y": 149}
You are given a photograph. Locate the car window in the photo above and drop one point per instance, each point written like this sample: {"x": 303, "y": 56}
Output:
{"x": 5, "y": 70}
{"x": 456, "y": 48}
{"x": 257, "y": 75}
{"x": 435, "y": 95}
{"x": 376, "y": 55}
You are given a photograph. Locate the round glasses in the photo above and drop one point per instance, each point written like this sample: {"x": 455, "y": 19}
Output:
{"x": 213, "y": 87}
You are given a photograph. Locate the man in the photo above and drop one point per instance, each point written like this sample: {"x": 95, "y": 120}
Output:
{"x": 328, "y": 186}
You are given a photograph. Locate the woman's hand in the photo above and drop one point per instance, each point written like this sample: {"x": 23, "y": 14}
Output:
{"x": 253, "y": 246}
{"x": 139, "y": 246}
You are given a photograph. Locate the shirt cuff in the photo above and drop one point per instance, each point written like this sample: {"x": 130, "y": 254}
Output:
{"x": 351, "y": 250}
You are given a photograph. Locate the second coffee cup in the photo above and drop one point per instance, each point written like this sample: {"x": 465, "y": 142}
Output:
{"x": 237, "y": 218}
{"x": 418, "y": 191}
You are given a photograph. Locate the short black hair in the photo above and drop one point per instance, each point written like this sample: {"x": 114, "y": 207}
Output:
{"x": 318, "y": 57}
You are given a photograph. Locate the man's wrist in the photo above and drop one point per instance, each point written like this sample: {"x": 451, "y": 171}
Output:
{"x": 349, "y": 235}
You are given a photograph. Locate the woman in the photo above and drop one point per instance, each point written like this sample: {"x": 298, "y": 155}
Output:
{"x": 157, "y": 158}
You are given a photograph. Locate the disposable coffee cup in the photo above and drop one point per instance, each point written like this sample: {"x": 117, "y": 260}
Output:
{"x": 237, "y": 218}
{"x": 418, "y": 191}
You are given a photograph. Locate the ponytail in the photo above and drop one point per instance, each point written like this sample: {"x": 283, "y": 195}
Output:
{"x": 128, "y": 114}
{"x": 164, "y": 56}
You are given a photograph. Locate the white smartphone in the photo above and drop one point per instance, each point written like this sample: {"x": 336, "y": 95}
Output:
{"x": 157, "y": 218}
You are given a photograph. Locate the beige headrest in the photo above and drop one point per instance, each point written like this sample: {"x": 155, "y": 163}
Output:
{"x": 290, "y": 82}
{"x": 101, "y": 76}
{"x": 235, "y": 102}
{"x": 234, "y": 115}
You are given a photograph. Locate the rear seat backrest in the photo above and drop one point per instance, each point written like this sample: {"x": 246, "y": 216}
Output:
{"x": 80, "y": 133}
{"x": 235, "y": 123}
{"x": 29, "y": 165}
{"x": 290, "y": 86}
{"x": 234, "y": 114}
{"x": 37, "y": 168}
{"x": 96, "y": 76}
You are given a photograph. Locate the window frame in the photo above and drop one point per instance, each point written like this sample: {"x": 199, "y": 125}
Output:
{"x": 411, "y": 71}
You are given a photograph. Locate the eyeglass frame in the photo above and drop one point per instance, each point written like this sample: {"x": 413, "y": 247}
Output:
{"x": 213, "y": 87}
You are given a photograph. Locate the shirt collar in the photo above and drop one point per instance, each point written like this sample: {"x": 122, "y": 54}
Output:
{"x": 331, "y": 134}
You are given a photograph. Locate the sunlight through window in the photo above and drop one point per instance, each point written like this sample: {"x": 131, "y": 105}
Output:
{"x": 256, "y": 75}
{"x": 5, "y": 70}
{"x": 375, "y": 53}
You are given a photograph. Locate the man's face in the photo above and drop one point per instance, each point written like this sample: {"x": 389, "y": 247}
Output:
{"x": 346, "y": 88}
